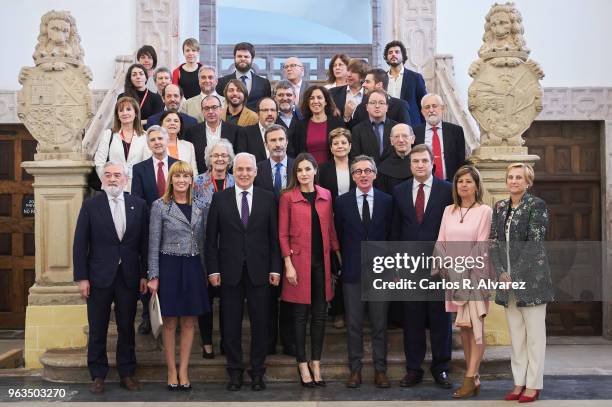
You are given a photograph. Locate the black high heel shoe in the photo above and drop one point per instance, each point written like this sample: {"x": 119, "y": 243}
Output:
{"x": 173, "y": 386}
{"x": 320, "y": 383}
{"x": 309, "y": 384}
{"x": 208, "y": 355}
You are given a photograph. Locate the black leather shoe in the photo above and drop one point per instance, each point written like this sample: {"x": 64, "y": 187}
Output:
{"x": 235, "y": 383}
{"x": 207, "y": 355}
{"x": 443, "y": 380}
{"x": 411, "y": 379}
{"x": 257, "y": 383}
{"x": 145, "y": 327}
{"x": 289, "y": 350}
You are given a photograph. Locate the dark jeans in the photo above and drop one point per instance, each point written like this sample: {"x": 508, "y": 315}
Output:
{"x": 318, "y": 310}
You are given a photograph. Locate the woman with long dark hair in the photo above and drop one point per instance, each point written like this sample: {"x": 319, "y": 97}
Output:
{"x": 135, "y": 86}
{"x": 337, "y": 72}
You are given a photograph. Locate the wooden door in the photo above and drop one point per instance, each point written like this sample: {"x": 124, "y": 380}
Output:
{"x": 16, "y": 225}
{"x": 568, "y": 178}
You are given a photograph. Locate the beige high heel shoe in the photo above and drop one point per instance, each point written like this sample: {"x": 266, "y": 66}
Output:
{"x": 468, "y": 389}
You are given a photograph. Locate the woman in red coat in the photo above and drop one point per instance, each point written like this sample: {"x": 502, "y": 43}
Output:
{"x": 307, "y": 235}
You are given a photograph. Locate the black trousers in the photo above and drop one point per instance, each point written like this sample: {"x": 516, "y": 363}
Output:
{"x": 232, "y": 300}
{"x": 98, "y": 315}
{"x": 205, "y": 321}
{"x": 281, "y": 321}
{"x": 318, "y": 310}
{"x": 145, "y": 299}
{"x": 418, "y": 315}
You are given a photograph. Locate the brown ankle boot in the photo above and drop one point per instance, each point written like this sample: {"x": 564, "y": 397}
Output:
{"x": 468, "y": 389}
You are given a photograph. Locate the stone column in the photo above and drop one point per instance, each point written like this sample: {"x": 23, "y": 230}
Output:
{"x": 55, "y": 104}
{"x": 208, "y": 32}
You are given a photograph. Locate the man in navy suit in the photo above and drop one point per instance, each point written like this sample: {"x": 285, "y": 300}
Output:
{"x": 257, "y": 86}
{"x": 149, "y": 183}
{"x": 418, "y": 206}
{"x": 274, "y": 174}
{"x": 172, "y": 96}
{"x": 404, "y": 83}
{"x": 252, "y": 140}
{"x": 242, "y": 253}
{"x": 109, "y": 255}
{"x": 363, "y": 214}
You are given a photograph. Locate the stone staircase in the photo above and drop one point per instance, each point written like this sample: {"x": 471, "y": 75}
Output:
{"x": 70, "y": 365}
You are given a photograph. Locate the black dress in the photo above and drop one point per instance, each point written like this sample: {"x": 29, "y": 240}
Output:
{"x": 152, "y": 104}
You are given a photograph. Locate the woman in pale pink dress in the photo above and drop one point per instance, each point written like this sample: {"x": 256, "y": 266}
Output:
{"x": 467, "y": 221}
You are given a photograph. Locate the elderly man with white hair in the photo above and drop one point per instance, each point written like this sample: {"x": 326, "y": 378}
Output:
{"x": 395, "y": 169}
{"x": 242, "y": 255}
{"x": 446, "y": 140}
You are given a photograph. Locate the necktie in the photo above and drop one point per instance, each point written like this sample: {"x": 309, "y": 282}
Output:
{"x": 378, "y": 130}
{"x": 278, "y": 183}
{"x": 419, "y": 204}
{"x": 437, "y": 152}
{"x": 245, "y": 209}
{"x": 243, "y": 78}
{"x": 118, "y": 218}
{"x": 365, "y": 212}
{"x": 161, "y": 179}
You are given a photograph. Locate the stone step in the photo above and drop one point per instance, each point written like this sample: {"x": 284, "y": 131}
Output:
{"x": 70, "y": 365}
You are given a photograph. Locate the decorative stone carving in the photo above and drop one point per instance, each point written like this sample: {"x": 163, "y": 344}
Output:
{"x": 505, "y": 96}
{"x": 55, "y": 102}
{"x": 157, "y": 24}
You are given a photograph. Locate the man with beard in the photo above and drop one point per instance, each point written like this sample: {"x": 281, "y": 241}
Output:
{"x": 207, "y": 79}
{"x": 404, "y": 83}
{"x": 257, "y": 87}
{"x": 446, "y": 140}
{"x": 253, "y": 140}
{"x": 172, "y": 96}
{"x": 294, "y": 72}
{"x": 109, "y": 255}
{"x": 395, "y": 169}
{"x": 236, "y": 112}
{"x": 284, "y": 95}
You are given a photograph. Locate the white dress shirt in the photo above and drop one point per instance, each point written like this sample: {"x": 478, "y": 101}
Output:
{"x": 296, "y": 91}
{"x": 212, "y": 136}
{"x": 394, "y": 89}
{"x": 343, "y": 179}
{"x": 369, "y": 197}
{"x": 426, "y": 190}
{"x": 354, "y": 97}
{"x": 429, "y": 142}
{"x": 283, "y": 171}
{"x": 239, "y": 192}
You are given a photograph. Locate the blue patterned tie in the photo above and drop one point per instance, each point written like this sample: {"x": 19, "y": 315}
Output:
{"x": 278, "y": 183}
{"x": 245, "y": 209}
{"x": 243, "y": 78}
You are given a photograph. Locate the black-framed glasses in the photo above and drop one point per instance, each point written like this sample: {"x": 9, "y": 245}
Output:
{"x": 211, "y": 108}
{"x": 366, "y": 171}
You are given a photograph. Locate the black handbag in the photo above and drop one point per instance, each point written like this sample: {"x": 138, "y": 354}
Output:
{"x": 93, "y": 180}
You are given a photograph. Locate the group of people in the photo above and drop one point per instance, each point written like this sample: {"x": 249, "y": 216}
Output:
{"x": 271, "y": 206}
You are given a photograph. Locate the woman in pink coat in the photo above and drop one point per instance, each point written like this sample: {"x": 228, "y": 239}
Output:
{"x": 307, "y": 235}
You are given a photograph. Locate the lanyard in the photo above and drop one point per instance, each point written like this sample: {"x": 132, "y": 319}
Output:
{"x": 144, "y": 98}
{"x": 215, "y": 184}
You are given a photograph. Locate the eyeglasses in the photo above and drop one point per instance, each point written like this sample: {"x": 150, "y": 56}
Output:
{"x": 367, "y": 171}
{"x": 215, "y": 156}
{"x": 377, "y": 103}
{"x": 292, "y": 66}
{"x": 211, "y": 108}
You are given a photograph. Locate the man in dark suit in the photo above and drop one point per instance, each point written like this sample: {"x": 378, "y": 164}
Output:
{"x": 446, "y": 140}
{"x": 294, "y": 73}
{"x": 257, "y": 86}
{"x": 347, "y": 98}
{"x": 288, "y": 112}
{"x": 212, "y": 127}
{"x": 418, "y": 206}
{"x": 274, "y": 174}
{"x": 172, "y": 96}
{"x": 404, "y": 83}
{"x": 397, "y": 109}
{"x": 371, "y": 137}
{"x": 363, "y": 214}
{"x": 252, "y": 140}
{"x": 242, "y": 255}
{"x": 109, "y": 255}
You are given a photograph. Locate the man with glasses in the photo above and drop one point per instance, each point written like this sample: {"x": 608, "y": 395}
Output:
{"x": 294, "y": 72}
{"x": 284, "y": 95}
{"x": 211, "y": 129}
{"x": 253, "y": 140}
{"x": 371, "y": 136}
{"x": 371, "y": 221}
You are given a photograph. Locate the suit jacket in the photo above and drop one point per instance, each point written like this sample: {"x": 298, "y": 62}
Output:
{"x": 328, "y": 178}
{"x": 298, "y": 134}
{"x": 144, "y": 180}
{"x": 252, "y": 142}
{"x": 188, "y": 121}
{"x": 264, "y": 174}
{"x": 397, "y": 109}
{"x": 296, "y": 117}
{"x": 260, "y": 87}
{"x": 413, "y": 90}
{"x": 338, "y": 93}
{"x": 365, "y": 140}
{"x": 247, "y": 117}
{"x": 196, "y": 135}
{"x": 230, "y": 245}
{"x": 453, "y": 140}
{"x": 351, "y": 231}
{"x": 295, "y": 229}
{"x": 97, "y": 250}
{"x": 405, "y": 225}
{"x": 305, "y": 85}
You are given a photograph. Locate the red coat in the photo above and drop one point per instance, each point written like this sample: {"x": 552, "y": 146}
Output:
{"x": 294, "y": 232}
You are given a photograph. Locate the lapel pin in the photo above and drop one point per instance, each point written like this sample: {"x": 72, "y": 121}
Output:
{"x": 131, "y": 207}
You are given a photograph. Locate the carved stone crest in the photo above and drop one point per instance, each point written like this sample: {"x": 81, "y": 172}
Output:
{"x": 55, "y": 103}
{"x": 505, "y": 96}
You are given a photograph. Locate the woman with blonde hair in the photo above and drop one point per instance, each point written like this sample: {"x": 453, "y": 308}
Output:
{"x": 176, "y": 236}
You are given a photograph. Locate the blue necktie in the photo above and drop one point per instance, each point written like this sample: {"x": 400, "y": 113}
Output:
{"x": 379, "y": 133}
{"x": 278, "y": 183}
{"x": 244, "y": 78}
{"x": 245, "y": 209}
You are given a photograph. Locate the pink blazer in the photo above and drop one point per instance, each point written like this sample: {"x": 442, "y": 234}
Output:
{"x": 294, "y": 232}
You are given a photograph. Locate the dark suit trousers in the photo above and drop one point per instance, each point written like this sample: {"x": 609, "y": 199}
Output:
{"x": 377, "y": 314}
{"x": 232, "y": 300}
{"x": 98, "y": 315}
{"x": 205, "y": 321}
{"x": 281, "y": 320}
{"x": 418, "y": 315}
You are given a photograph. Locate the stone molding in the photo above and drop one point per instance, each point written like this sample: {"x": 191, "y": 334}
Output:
{"x": 157, "y": 24}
